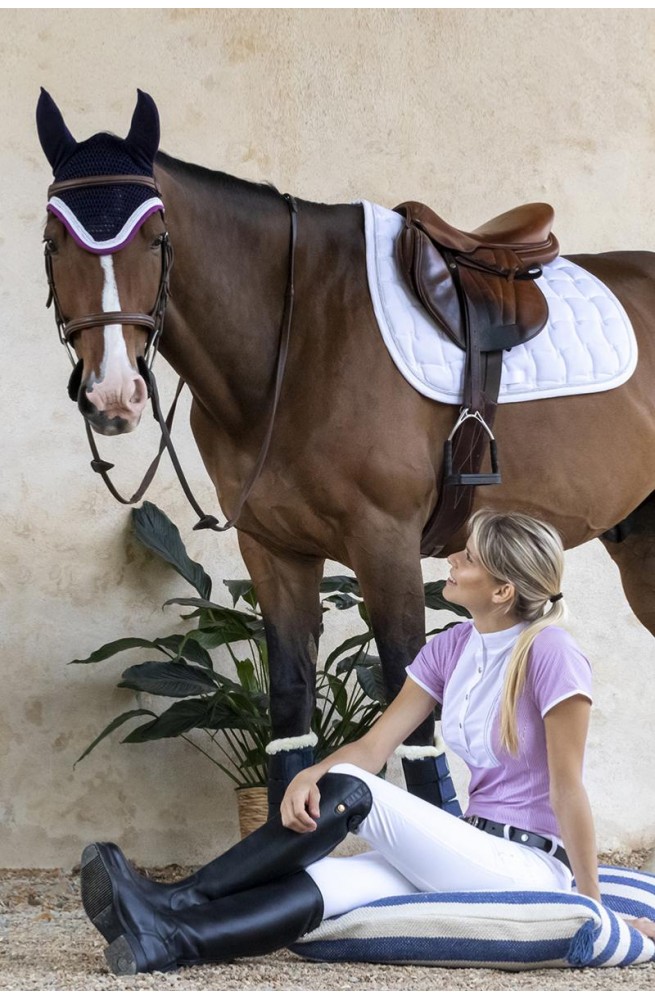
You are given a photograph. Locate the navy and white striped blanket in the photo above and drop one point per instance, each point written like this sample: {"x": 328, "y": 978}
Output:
{"x": 499, "y": 930}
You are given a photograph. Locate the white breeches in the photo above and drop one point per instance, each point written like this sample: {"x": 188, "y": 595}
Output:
{"x": 420, "y": 848}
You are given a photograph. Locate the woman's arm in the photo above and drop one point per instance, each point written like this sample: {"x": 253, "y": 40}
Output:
{"x": 300, "y": 806}
{"x": 566, "y": 734}
{"x": 566, "y": 727}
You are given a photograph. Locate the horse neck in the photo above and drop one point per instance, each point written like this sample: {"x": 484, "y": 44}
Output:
{"x": 231, "y": 242}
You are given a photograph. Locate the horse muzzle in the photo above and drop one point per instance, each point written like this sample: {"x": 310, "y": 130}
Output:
{"x": 109, "y": 425}
{"x": 110, "y": 408}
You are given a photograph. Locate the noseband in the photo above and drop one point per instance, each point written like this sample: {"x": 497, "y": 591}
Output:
{"x": 153, "y": 322}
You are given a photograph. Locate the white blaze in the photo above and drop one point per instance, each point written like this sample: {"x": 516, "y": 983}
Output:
{"x": 115, "y": 362}
{"x": 119, "y": 391}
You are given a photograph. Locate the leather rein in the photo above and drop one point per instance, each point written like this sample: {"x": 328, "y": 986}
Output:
{"x": 153, "y": 323}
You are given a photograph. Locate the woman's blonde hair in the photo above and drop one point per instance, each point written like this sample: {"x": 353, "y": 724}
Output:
{"x": 518, "y": 549}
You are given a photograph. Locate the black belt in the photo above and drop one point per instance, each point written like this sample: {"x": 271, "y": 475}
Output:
{"x": 524, "y": 837}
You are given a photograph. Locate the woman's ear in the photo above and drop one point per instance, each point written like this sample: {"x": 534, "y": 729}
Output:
{"x": 505, "y": 593}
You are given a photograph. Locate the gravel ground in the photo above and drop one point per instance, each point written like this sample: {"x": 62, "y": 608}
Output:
{"x": 46, "y": 943}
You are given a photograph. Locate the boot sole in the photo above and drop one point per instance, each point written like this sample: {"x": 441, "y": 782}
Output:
{"x": 124, "y": 955}
{"x": 121, "y": 958}
{"x": 98, "y": 894}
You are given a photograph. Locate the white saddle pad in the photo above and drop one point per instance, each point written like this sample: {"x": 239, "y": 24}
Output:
{"x": 588, "y": 344}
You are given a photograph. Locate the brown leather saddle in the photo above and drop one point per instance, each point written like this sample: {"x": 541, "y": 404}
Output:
{"x": 479, "y": 288}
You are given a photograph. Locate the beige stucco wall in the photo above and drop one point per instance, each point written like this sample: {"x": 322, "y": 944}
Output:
{"x": 471, "y": 111}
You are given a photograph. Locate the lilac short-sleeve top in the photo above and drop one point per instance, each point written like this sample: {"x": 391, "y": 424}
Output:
{"x": 464, "y": 670}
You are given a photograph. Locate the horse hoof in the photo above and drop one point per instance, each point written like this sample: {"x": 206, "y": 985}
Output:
{"x": 120, "y": 958}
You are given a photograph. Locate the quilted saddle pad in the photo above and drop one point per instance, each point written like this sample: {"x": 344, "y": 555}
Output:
{"x": 588, "y": 344}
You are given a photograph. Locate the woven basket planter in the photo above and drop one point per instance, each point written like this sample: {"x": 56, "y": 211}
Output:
{"x": 253, "y": 808}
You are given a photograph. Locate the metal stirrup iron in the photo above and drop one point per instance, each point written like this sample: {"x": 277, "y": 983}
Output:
{"x": 451, "y": 478}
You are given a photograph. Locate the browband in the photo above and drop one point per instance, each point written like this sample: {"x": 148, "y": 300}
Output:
{"x": 102, "y": 179}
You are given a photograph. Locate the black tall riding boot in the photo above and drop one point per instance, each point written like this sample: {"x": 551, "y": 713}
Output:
{"x": 271, "y": 852}
{"x": 254, "y": 922}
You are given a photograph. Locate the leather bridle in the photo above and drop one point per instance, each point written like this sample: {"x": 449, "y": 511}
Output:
{"x": 153, "y": 323}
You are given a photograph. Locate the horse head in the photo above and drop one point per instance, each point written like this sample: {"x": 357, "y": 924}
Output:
{"x": 107, "y": 260}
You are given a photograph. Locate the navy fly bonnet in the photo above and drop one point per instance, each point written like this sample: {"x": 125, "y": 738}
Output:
{"x": 102, "y": 218}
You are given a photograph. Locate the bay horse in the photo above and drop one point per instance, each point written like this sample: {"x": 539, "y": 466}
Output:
{"x": 352, "y": 466}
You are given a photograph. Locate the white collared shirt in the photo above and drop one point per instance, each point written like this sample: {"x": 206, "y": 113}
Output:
{"x": 472, "y": 699}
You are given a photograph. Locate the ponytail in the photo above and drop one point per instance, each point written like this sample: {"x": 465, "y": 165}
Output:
{"x": 528, "y": 554}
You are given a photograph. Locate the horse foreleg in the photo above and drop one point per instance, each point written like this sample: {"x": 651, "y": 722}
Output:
{"x": 287, "y": 587}
{"x": 392, "y": 586}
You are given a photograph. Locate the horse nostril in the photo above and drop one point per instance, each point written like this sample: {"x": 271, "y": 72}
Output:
{"x": 140, "y": 393}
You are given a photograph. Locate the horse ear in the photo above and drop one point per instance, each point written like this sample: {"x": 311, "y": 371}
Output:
{"x": 56, "y": 140}
{"x": 143, "y": 136}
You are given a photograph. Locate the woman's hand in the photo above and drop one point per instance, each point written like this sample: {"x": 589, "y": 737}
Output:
{"x": 300, "y": 805}
{"x": 642, "y": 924}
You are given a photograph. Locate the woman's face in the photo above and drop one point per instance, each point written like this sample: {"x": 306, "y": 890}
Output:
{"x": 470, "y": 585}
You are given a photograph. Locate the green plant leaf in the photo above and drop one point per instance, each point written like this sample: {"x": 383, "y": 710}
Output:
{"x": 221, "y": 615}
{"x": 339, "y": 693}
{"x": 342, "y": 601}
{"x": 435, "y": 600}
{"x": 158, "y": 533}
{"x": 196, "y": 602}
{"x": 342, "y": 584}
{"x": 226, "y": 684}
{"x": 444, "y": 628}
{"x": 115, "y": 724}
{"x": 251, "y": 707}
{"x": 192, "y": 650}
{"x": 169, "y": 678}
{"x": 213, "y": 636}
{"x": 352, "y": 643}
{"x": 357, "y": 659}
{"x": 120, "y": 646}
{"x": 178, "y": 719}
{"x": 246, "y": 674}
{"x": 371, "y": 682}
{"x": 363, "y": 614}
{"x": 242, "y": 590}
{"x": 171, "y": 643}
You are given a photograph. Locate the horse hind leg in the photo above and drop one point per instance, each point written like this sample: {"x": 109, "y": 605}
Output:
{"x": 631, "y": 545}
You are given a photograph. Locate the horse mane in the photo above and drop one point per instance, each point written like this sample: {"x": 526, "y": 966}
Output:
{"x": 214, "y": 178}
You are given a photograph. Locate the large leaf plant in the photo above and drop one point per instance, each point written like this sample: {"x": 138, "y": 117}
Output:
{"x": 233, "y": 711}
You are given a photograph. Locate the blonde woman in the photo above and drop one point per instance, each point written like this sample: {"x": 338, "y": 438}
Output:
{"x": 516, "y": 696}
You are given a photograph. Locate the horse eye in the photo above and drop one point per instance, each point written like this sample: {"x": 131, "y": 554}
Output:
{"x": 158, "y": 240}
{"x": 49, "y": 245}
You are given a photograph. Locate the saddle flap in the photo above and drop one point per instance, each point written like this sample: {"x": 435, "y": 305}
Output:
{"x": 502, "y": 312}
{"x": 472, "y": 295}
{"x": 431, "y": 280}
